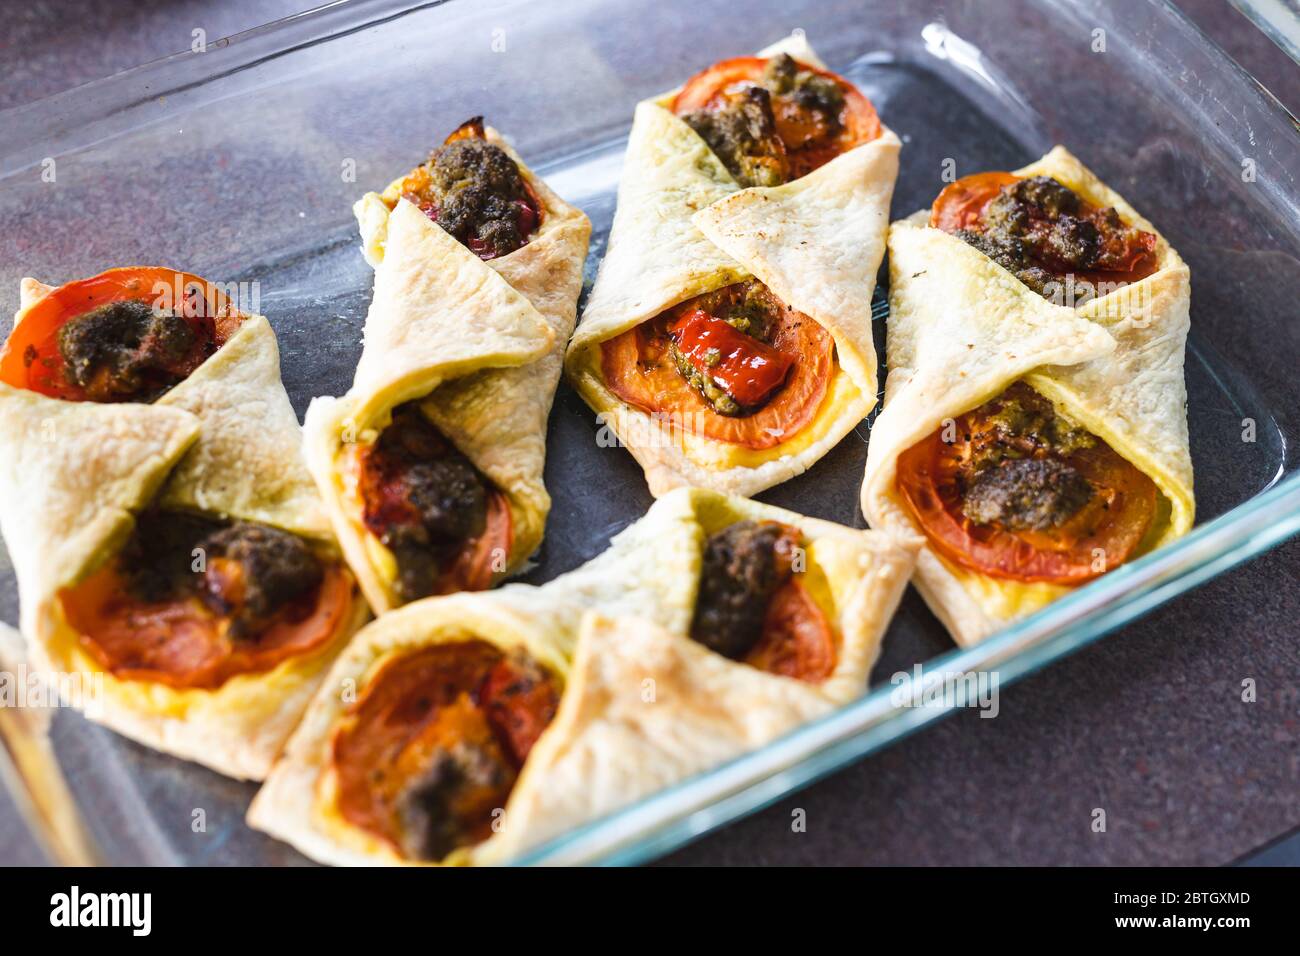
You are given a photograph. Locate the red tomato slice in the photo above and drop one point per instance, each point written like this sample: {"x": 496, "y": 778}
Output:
{"x": 860, "y": 123}
{"x": 452, "y": 696}
{"x": 1111, "y": 526}
{"x": 961, "y": 204}
{"x": 475, "y": 567}
{"x": 638, "y": 369}
{"x": 180, "y": 643}
{"x": 31, "y": 359}
{"x": 798, "y": 641}
{"x": 518, "y": 708}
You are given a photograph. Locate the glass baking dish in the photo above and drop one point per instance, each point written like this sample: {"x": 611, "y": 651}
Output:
{"x": 240, "y": 163}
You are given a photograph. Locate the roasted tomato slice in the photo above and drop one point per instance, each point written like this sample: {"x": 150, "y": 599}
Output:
{"x": 1102, "y": 535}
{"x": 182, "y": 643}
{"x": 798, "y": 641}
{"x": 428, "y": 754}
{"x": 476, "y": 565}
{"x": 801, "y": 136}
{"x": 961, "y": 204}
{"x": 799, "y": 356}
{"x": 32, "y": 358}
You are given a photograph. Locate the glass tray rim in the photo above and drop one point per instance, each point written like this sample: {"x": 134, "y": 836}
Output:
{"x": 672, "y": 817}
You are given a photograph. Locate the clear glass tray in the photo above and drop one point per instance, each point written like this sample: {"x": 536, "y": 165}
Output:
{"x": 234, "y": 163}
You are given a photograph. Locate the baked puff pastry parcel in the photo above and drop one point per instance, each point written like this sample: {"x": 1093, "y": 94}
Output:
{"x": 465, "y": 728}
{"x": 431, "y": 465}
{"x": 169, "y": 545}
{"x": 727, "y": 340}
{"x": 1035, "y": 427}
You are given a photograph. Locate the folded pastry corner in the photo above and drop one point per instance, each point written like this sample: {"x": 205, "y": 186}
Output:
{"x": 71, "y": 477}
{"x": 727, "y": 340}
{"x": 431, "y": 465}
{"x": 793, "y": 596}
{"x": 644, "y": 709}
{"x": 244, "y": 466}
{"x": 1034, "y": 429}
{"x": 170, "y": 550}
{"x": 418, "y": 743}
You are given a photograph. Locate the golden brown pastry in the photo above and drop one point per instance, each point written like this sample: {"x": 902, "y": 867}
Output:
{"x": 170, "y": 549}
{"x": 431, "y": 465}
{"x": 1035, "y": 425}
{"x": 727, "y": 340}
{"x": 422, "y": 742}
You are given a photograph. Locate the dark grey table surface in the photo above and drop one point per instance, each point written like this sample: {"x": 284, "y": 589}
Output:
{"x": 1148, "y": 725}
